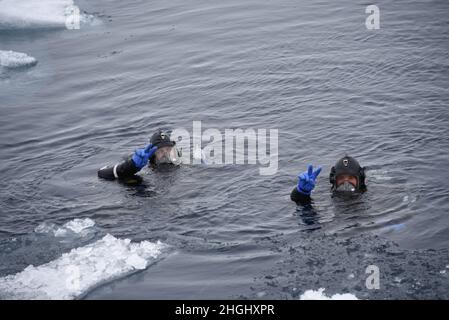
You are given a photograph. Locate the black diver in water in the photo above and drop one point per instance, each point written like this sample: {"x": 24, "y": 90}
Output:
{"x": 160, "y": 151}
{"x": 346, "y": 177}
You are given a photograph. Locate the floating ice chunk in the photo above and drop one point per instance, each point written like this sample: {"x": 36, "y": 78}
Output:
{"x": 45, "y": 228}
{"x": 78, "y": 271}
{"x": 16, "y": 14}
{"x": 319, "y": 295}
{"x": 12, "y": 59}
{"x": 76, "y": 226}
{"x": 409, "y": 199}
{"x": 32, "y": 14}
{"x": 136, "y": 262}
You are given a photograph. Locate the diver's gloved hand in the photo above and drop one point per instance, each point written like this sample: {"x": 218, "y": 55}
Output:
{"x": 141, "y": 156}
{"x": 306, "y": 182}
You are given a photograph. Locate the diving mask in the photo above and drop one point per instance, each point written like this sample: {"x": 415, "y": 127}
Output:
{"x": 167, "y": 155}
{"x": 345, "y": 187}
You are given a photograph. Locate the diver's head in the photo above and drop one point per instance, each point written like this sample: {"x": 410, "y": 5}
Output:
{"x": 166, "y": 152}
{"x": 347, "y": 176}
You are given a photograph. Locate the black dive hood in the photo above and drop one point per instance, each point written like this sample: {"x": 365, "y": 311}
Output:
{"x": 348, "y": 166}
{"x": 161, "y": 139}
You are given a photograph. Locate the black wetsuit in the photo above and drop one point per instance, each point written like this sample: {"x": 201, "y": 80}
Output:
{"x": 124, "y": 172}
{"x": 300, "y": 198}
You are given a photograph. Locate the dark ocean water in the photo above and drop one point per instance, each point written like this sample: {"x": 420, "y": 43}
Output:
{"x": 310, "y": 69}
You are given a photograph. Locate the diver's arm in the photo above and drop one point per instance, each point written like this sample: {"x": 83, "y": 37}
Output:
{"x": 306, "y": 183}
{"x": 129, "y": 167}
{"x": 300, "y": 198}
{"x": 120, "y": 170}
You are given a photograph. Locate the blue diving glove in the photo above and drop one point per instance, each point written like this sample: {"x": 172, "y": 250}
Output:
{"x": 141, "y": 156}
{"x": 306, "y": 182}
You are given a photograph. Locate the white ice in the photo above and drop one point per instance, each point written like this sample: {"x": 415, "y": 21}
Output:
{"x": 38, "y": 14}
{"x": 320, "y": 295}
{"x": 19, "y": 14}
{"x": 76, "y": 226}
{"x": 12, "y": 59}
{"x": 78, "y": 271}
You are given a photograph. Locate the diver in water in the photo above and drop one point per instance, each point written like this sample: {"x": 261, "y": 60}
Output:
{"x": 160, "y": 151}
{"x": 347, "y": 177}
